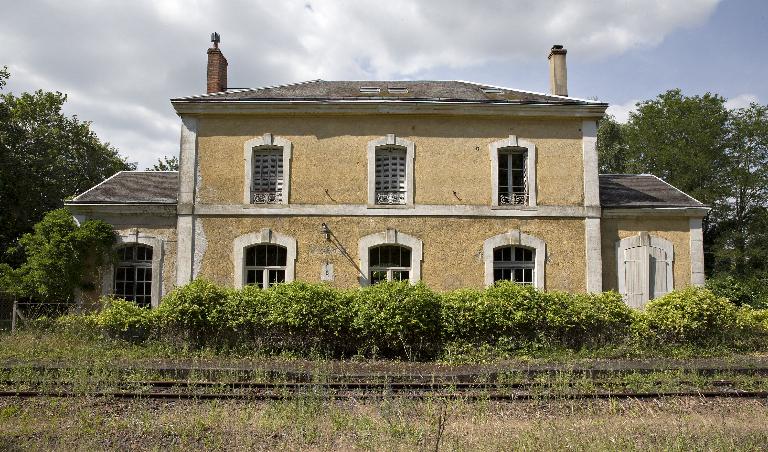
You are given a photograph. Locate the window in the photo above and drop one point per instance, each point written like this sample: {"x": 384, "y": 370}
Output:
{"x": 644, "y": 268}
{"x": 513, "y": 173}
{"x": 389, "y": 263}
{"x": 267, "y": 170}
{"x": 513, "y": 180}
{"x": 267, "y": 185}
{"x": 515, "y": 256}
{"x": 265, "y": 265}
{"x": 514, "y": 263}
{"x": 390, "y": 175}
{"x": 133, "y": 274}
{"x": 390, "y": 172}
{"x": 263, "y": 258}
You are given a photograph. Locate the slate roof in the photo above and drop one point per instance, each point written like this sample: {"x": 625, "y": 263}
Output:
{"x": 409, "y": 91}
{"x": 161, "y": 187}
{"x": 133, "y": 187}
{"x": 641, "y": 190}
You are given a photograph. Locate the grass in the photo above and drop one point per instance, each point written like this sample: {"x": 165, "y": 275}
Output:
{"x": 309, "y": 424}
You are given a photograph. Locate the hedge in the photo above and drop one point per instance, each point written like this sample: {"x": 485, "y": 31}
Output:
{"x": 401, "y": 320}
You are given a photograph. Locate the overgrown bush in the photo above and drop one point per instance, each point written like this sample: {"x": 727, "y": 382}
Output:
{"x": 397, "y": 319}
{"x": 751, "y": 292}
{"x": 401, "y": 320}
{"x": 691, "y": 316}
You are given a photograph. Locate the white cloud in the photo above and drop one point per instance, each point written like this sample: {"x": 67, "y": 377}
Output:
{"x": 621, "y": 111}
{"x": 121, "y": 61}
{"x": 741, "y": 101}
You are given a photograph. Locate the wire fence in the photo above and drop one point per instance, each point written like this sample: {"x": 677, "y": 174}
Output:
{"x": 15, "y": 312}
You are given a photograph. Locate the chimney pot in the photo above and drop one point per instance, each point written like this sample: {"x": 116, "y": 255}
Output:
{"x": 558, "y": 72}
{"x": 217, "y": 67}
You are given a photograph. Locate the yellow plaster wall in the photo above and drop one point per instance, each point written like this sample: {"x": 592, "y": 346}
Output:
{"x": 674, "y": 229}
{"x": 330, "y": 152}
{"x": 452, "y": 247}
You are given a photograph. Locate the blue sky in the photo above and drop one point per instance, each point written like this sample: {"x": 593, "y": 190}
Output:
{"x": 120, "y": 61}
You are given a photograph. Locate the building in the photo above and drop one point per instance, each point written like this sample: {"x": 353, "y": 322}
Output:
{"x": 453, "y": 183}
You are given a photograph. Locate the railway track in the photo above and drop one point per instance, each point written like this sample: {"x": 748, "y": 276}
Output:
{"x": 356, "y": 390}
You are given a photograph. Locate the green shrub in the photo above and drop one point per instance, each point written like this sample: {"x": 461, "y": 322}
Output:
{"x": 751, "y": 292}
{"x": 124, "y": 319}
{"x": 190, "y": 312}
{"x": 585, "y": 320}
{"x": 397, "y": 319}
{"x": 693, "y": 316}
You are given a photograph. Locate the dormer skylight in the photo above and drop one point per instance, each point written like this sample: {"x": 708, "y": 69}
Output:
{"x": 370, "y": 89}
{"x": 397, "y": 89}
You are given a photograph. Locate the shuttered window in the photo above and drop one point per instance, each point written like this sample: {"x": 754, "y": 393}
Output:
{"x": 267, "y": 179}
{"x": 645, "y": 269}
{"x": 390, "y": 175}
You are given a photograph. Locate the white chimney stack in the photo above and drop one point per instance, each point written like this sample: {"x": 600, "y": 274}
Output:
{"x": 558, "y": 73}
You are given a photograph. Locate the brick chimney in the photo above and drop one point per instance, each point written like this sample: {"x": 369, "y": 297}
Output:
{"x": 217, "y": 67}
{"x": 558, "y": 73}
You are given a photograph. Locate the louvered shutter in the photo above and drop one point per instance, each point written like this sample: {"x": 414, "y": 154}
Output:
{"x": 390, "y": 176}
{"x": 636, "y": 276}
{"x": 659, "y": 268}
{"x": 267, "y": 176}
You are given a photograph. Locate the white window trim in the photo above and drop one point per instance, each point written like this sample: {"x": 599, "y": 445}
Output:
{"x": 391, "y": 140}
{"x": 512, "y": 238}
{"x": 272, "y": 141}
{"x": 108, "y": 279}
{"x": 513, "y": 142}
{"x": 265, "y": 236}
{"x": 646, "y": 240}
{"x": 390, "y": 237}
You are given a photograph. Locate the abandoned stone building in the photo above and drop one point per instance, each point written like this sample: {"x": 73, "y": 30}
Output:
{"x": 453, "y": 183}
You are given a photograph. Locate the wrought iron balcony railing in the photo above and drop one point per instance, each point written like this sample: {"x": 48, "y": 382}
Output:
{"x": 519, "y": 198}
{"x": 266, "y": 197}
{"x": 390, "y": 197}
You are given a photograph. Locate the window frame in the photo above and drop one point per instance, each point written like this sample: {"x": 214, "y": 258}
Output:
{"x": 265, "y": 236}
{"x": 133, "y": 264}
{"x": 390, "y": 140}
{"x": 157, "y": 245}
{"x": 512, "y": 143}
{"x": 389, "y": 237}
{"x": 389, "y": 269}
{"x": 272, "y": 143}
{"x": 265, "y": 269}
{"x": 515, "y": 264}
{"x": 515, "y": 237}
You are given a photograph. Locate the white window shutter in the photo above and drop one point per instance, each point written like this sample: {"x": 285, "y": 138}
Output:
{"x": 636, "y": 276}
{"x": 267, "y": 176}
{"x": 659, "y": 267}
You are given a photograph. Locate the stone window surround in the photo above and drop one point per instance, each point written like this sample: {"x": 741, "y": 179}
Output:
{"x": 644, "y": 239}
{"x": 391, "y": 140}
{"x": 272, "y": 141}
{"x": 108, "y": 279}
{"x": 264, "y": 236}
{"x": 390, "y": 237}
{"x": 513, "y": 142}
{"x": 515, "y": 237}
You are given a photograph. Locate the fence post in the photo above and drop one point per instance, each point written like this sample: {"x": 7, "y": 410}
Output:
{"x": 13, "y": 314}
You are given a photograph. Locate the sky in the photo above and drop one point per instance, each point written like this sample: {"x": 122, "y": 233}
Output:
{"x": 121, "y": 61}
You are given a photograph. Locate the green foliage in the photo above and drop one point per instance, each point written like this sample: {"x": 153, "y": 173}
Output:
{"x": 57, "y": 257}
{"x": 397, "y": 319}
{"x": 166, "y": 164}
{"x": 694, "y": 316}
{"x": 745, "y": 291}
{"x": 45, "y": 157}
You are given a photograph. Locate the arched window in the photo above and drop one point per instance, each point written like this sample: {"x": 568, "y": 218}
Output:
{"x": 267, "y": 170}
{"x": 265, "y": 265}
{"x": 514, "y": 263}
{"x": 133, "y": 274}
{"x": 389, "y": 263}
{"x": 513, "y": 172}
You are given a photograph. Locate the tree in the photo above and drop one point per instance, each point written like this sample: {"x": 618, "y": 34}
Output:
{"x": 58, "y": 255}
{"x": 743, "y": 230}
{"x": 45, "y": 157}
{"x": 166, "y": 164}
{"x": 613, "y": 155}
